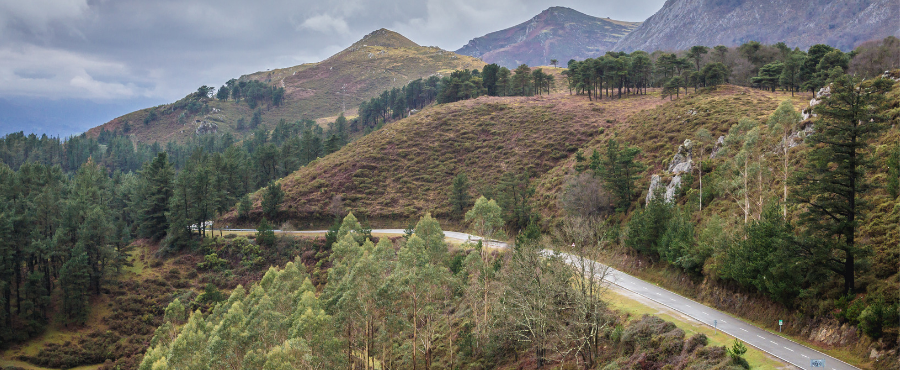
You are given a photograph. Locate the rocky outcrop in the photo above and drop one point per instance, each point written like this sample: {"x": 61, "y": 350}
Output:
{"x": 823, "y": 93}
{"x": 206, "y": 127}
{"x": 720, "y": 142}
{"x": 680, "y": 163}
{"x": 557, "y": 33}
{"x": 844, "y": 24}
{"x": 654, "y": 187}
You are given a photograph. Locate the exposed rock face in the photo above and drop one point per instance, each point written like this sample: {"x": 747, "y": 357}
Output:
{"x": 680, "y": 164}
{"x": 672, "y": 188}
{"x": 682, "y": 160}
{"x": 206, "y": 127}
{"x": 557, "y": 33}
{"x": 821, "y": 94}
{"x": 654, "y": 186}
{"x": 844, "y": 24}
{"x": 720, "y": 142}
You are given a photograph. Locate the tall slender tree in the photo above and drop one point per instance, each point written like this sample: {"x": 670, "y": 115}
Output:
{"x": 834, "y": 180}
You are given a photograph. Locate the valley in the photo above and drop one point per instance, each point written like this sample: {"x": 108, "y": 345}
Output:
{"x": 712, "y": 198}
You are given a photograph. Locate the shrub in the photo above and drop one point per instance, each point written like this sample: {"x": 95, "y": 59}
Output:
{"x": 212, "y": 262}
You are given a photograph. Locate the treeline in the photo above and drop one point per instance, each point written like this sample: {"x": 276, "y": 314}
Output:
{"x": 423, "y": 305}
{"x": 752, "y": 64}
{"x": 492, "y": 80}
{"x": 69, "y": 207}
{"x": 252, "y": 92}
{"x": 797, "y": 235}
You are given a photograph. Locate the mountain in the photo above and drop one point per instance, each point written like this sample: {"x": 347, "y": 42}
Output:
{"x": 844, "y": 24}
{"x": 379, "y": 61}
{"x": 557, "y": 33}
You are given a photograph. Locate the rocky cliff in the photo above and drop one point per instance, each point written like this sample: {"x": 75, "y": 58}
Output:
{"x": 844, "y": 24}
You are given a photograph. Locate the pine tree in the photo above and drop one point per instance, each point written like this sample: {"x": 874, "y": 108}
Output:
{"x": 834, "y": 180}
{"x": 244, "y": 207}
{"x": 265, "y": 236}
{"x": 619, "y": 169}
{"x": 157, "y": 190}
{"x": 271, "y": 200}
{"x": 74, "y": 280}
{"x": 460, "y": 200}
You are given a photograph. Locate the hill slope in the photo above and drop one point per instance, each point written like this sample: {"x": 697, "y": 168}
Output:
{"x": 380, "y": 61}
{"x": 844, "y": 24}
{"x": 406, "y": 167}
{"x": 557, "y": 33}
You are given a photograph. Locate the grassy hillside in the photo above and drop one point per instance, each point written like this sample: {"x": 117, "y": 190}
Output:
{"x": 659, "y": 130}
{"x": 406, "y": 167}
{"x": 380, "y": 61}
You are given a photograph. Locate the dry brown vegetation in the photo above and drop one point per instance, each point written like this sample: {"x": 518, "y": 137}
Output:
{"x": 406, "y": 168}
{"x": 380, "y": 61}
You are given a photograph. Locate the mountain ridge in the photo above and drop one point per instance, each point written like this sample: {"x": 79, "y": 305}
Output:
{"x": 556, "y": 33}
{"x": 680, "y": 24}
{"x": 379, "y": 61}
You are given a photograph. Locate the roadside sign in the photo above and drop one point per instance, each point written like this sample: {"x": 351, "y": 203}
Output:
{"x": 715, "y": 323}
{"x": 780, "y": 322}
{"x": 817, "y": 363}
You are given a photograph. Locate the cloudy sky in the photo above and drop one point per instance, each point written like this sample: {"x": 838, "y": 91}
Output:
{"x": 68, "y": 65}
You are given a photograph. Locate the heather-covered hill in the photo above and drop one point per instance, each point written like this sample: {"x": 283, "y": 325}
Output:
{"x": 556, "y": 33}
{"x": 843, "y": 24}
{"x": 406, "y": 167}
{"x": 379, "y": 61}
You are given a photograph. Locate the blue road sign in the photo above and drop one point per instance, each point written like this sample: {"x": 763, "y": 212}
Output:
{"x": 817, "y": 363}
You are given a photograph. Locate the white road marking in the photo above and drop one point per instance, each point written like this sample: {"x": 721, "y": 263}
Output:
{"x": 788, "y": 349}
{"x": 743, "y": 329}
{"x": 773, "y": 342}
{"x": 805, "y": 356}
{"x": 760, "y": 336}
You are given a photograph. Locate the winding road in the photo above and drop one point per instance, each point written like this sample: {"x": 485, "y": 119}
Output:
{"x": 785, "y": 349}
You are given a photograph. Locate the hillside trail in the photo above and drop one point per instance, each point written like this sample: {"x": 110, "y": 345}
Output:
{"x": 772, "y": 343}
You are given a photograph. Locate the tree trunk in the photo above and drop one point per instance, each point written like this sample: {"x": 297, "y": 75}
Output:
{"x": 785, "y": 173}
{"x": 746, "y": 194}
{"x": 349, "y": 349}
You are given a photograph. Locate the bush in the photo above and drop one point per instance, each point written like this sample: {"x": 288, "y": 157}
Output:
{"x": 264, "y": 234}
{"x": 212, "y": 262}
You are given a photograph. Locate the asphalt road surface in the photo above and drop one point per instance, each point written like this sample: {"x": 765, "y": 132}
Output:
{"x": 782, "y": 348}
{"x": 777, "y": 346}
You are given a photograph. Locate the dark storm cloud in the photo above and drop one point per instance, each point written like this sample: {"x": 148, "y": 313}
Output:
{"x": 163, "y": 49}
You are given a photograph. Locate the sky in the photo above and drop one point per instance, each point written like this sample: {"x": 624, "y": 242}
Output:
{"x": 69, "y": 65}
